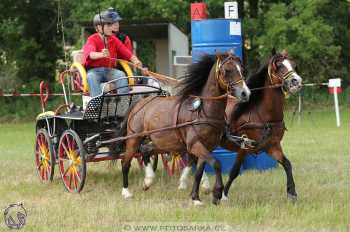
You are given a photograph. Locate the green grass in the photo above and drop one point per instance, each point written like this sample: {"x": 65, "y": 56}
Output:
{"x": 319, "y": 152}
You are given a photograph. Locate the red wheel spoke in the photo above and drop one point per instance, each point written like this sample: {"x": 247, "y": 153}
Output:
{"x": 45, "y": 174}
{"x": 69, "y": 142}
{"x": 40, "y": 140}
{"x": 65, "y": 150}
{"x": 38, "y": 152}
{"x": 42, "y": 172}
{"x": 70, "y": 180}
{"x": 41, "y": 164}
{"x": 65, "y": 172}
{"x": 75, "y": 181}
{"x": 79, "y": 177}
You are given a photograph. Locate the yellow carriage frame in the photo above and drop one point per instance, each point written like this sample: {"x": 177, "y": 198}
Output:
{"x": 83, "y": 75}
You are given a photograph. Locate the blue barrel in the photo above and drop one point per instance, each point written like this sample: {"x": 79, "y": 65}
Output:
{"x": 227, "y": 159}
{"x": 261, "y": 161}
{"x": 215, "y": 35}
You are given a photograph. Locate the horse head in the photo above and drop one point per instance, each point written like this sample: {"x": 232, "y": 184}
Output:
{"x": 230, "y": 78}
{"x": 281, "y": 71}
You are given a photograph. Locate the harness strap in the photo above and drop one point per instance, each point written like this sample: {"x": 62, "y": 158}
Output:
{"x": 211, "y": 122}
{"x": 267, "y": 132}
{"x": 176, "y": 117}
{"x": 257, "y": 125}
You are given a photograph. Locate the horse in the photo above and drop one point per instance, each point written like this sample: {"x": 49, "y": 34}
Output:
{"x": 179, "y": 124}
{"x": 260, "y": 119}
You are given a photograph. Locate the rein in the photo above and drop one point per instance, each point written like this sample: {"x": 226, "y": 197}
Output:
{"x": 221, "y": 97}
{"x": 267, "y": 87}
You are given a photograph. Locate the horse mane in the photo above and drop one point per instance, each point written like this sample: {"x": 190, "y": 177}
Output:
{"x": 196, "y": 77}
{"x": 256, "y": 80}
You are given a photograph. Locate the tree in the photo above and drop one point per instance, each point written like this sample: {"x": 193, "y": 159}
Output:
{"x": 30, "y": 39}
{"x": 298, "y": 28}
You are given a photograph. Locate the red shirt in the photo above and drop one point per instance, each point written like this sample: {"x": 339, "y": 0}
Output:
{"x": 128, "y": 43}
{"x": 95, "y": 44}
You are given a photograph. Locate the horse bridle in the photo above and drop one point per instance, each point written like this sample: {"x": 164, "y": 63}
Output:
{"x": 219, "y": 75}
{"x": 283, "y": 77}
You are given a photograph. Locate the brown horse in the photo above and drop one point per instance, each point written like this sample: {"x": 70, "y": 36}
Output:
{"x": 177, "y": 124}
{"x": 261, "y": 119}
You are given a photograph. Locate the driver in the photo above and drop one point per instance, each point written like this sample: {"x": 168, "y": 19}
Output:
{"x": 100, "y": 53}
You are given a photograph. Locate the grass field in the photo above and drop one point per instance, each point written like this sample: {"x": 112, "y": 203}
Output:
{"x": 319, "y": 152}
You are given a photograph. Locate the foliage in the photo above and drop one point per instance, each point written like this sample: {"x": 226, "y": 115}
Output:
{"x": 29, "y": 38}
{"x": 298, "y": 28}
{"x": 315, "y": 32}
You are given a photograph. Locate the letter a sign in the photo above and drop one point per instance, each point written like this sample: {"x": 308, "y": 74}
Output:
{"x": 231, "y": 10}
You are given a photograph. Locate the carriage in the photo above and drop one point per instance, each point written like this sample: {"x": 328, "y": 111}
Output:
{"x": 73, "y": 135}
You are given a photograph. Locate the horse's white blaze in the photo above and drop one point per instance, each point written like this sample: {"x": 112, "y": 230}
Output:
{"x": 125, "y": 193}
{"x": 184, "y": 176}
{"x": 205, "y": 181}
{"x": 239, "y": 70}
{"x": 287, "y": 64}
{"x": 149, "y": 175}
{"x": 246, "y": 89}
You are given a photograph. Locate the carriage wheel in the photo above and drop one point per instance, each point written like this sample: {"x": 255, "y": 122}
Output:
{"x": 154, "y": 162}
{"x": 72, "y": 164}
{"x": 44, "y": 156}
{"x": 173, "y": 163}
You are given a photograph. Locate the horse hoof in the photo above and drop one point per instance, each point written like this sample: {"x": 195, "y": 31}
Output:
{"x": 126, "y": 194}
{"x": 198, "y": 203}
{"x": 145, "y": 186}
{"x": 224, "y": 197}
{"x": 293, "y": 198}
{"x": 147, "y": 183}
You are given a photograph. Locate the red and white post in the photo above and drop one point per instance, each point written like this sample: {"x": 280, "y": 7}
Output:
{"x": 334, "y": 87}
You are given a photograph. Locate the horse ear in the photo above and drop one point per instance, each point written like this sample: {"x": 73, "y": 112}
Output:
{"x": 284, "y": 52}
{"x": 273, "y": 51}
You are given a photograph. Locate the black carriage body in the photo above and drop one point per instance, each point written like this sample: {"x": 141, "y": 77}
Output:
{"x": 101, "y": 120}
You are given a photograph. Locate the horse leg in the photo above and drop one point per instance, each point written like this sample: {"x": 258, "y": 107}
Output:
{"x": 204, "y": 155}
{"x": 205, "y": 183}
{"x": 233, "y": 173}
{"x": 197, "y": 180}
{"x": 277, "y": 153}
{"x": 219, "y": 186}
{"x": 126, "y": 163}
{"x": 149, "y": 172}
{"x": 186, "y": 171}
